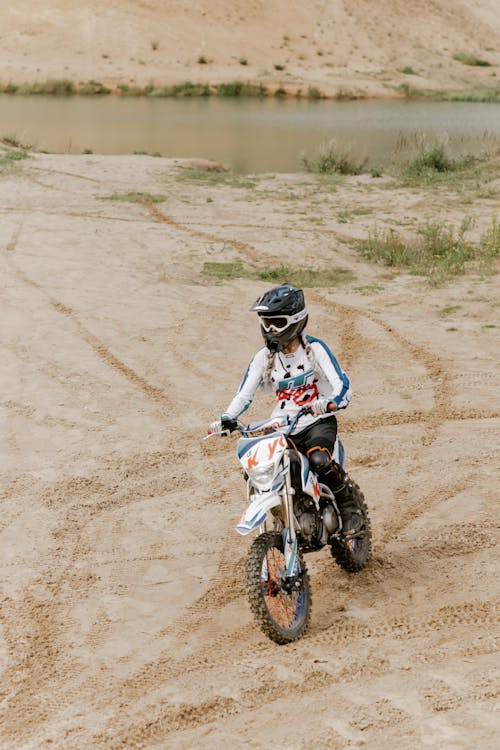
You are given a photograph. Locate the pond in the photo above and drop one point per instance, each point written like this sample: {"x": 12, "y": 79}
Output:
{"x": 248, "y": 136}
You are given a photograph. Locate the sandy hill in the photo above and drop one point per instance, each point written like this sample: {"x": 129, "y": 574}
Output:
{"x": 362, "y": 46}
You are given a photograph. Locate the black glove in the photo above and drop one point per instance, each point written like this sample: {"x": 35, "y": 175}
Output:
{"x": 228, "y": 423}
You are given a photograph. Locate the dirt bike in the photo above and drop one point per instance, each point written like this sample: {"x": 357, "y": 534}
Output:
{"x": 294, "y": 513}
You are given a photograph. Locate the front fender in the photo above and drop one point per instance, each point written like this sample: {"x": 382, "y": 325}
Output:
{"x": 256, "y": 512}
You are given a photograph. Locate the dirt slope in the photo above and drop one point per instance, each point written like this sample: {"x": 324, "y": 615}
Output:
{"x": 124, "y": 622}
{"x": 360, "y": 46}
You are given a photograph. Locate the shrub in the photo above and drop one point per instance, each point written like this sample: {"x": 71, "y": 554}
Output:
{"x": 93, "y": 88}
{"x": 313, "y": 93}
{"x": 332, "y": 158}
{"x": 126, "y": 90}
{"x": 190, "y": 89}
{"x": 230, "y": 89}
{"x": 9, "y": 88}
{"x": 52, "y": 87}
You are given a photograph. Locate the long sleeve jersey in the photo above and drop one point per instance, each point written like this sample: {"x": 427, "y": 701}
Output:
{"x": 297, "y": 379}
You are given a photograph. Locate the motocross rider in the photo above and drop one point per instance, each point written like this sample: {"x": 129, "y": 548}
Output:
{"x": 302, "y": 371}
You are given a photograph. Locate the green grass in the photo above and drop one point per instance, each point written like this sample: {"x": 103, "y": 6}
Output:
{"x": 190, "y": 89}
{"x": 420, "y": 159}
{"x": 369, "y": 289}
{"x": 93, "y": 88}
{"x": 15, "y": 142}
{"x": 9, "y": 158}
{"x": 134, "y": 198}
{"x": 332, "y": 158}
{"x": 450, "y": 309}
{"x": 314, "y": 93}
{"x": 471, "y": 59}
{"x": 212, "y": 177}
{"x": 478, "y": 94}
{"x": 51, "y": 87}
{"x": 239, "y": 88}
{"x": 147, "y": 153}
{"x": 300, "y": 277}
{"x": 438, "y": 251}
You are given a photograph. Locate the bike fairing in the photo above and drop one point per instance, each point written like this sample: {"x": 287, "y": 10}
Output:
{"x": 296, "y": 381}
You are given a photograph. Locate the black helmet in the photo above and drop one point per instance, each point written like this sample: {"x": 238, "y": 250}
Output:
{"x": 283, "y": 315}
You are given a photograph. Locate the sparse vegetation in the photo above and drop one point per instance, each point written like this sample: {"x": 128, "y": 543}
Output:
{"x": 9, "y": 157}
{"x": 189, "y": 89}
{"x": 423, "y": 157}
{"x": 221, "y": 177}
{"x": 134, "y": 198}
{"x": 147, "y": 153}
{"x": 126, "y": 90}
{"x": 438, "y": 250}
{"x": 302, "y": 277}
{"x": 333, "y": 158}
{"x": 408, "y": 71}
{"x": 345, "y": 95}
{"x": 93, "y": 88}
{"x": 471, "y": 59}
{"x": 314, "y": 93}
{"x": 202, "y": 60}
{"x": 15, "y": 142}
{"x": 51, "y": 87}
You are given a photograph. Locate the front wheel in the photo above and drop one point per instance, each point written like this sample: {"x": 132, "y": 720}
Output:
{"x": 352, "y": 553}
{"x": 281, "y": 605}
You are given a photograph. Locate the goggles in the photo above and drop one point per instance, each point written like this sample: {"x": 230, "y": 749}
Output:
{"x": 279, "y": 323}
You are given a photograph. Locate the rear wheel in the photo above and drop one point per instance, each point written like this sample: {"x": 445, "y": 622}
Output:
{"x": 281, "y": 605}
{"x": 352, "y": 553}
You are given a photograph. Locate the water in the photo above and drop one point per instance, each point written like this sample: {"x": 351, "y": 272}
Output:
{"x": 246, "y": 135}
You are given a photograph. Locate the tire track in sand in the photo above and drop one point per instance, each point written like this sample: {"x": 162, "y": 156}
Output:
{"x": 171, "y": 718}
{"x": 153, "y": 392}
{"x": 39, "y": 678}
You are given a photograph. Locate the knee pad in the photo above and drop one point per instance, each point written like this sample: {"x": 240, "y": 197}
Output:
{"x": 320, "y": 462}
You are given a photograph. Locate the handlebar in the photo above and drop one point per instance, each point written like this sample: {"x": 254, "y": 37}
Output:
{"x": 270, "y": 425}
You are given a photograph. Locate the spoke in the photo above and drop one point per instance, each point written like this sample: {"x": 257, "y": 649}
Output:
{"x": 281, "y": 606}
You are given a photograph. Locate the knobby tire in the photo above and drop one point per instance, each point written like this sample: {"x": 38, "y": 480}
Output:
{"x": 282, "y": 617}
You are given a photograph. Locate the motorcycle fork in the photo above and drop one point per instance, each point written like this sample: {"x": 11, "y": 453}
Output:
{"x": 289, "y": 533}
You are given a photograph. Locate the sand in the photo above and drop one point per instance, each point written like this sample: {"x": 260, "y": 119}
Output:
{"x": 124, "y": 619}
{"x": 347, "y": 48}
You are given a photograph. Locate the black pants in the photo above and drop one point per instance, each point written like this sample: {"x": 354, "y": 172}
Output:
{"x": 317, "y": 442}
{"x": 319, "y": 436}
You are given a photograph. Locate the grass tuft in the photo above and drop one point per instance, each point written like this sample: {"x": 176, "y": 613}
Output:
{"x": 438, "y": 251}
{"x": 470, "y": 59}
{"x": 52, "y": 87}
{"x": 93, "y": 88}
{"x": 134, "y": 198}
{"x": 8, "y": 159}
{"x": 332, "y": 158}
{"x": 300, "y": 277}
{"x": 421, "y": 156}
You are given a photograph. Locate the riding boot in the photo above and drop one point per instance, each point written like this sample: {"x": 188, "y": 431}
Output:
{"x": 339, "y": 483}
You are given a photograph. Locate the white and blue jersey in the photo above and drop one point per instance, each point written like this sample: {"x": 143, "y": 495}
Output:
{"x": 297, "y": 381}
